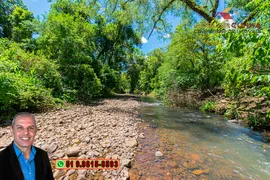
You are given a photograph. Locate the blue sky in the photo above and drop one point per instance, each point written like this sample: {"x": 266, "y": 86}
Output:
{"x": 39, "y": 7}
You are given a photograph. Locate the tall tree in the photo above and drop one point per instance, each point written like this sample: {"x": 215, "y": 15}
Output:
{"x": 23, "y": 24}
{"x": 6, "y": 9}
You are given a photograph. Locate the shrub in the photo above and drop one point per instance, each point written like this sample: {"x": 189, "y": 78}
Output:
{"x": 81, "y": 79}
{"x": 208, "y": 106}
{"x": 22, "y": 92}
{"x": 26, "y": 80}
{"x": 13, "y": 59}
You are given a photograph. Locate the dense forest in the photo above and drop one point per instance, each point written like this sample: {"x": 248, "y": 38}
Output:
{"x": 86, "y": 49}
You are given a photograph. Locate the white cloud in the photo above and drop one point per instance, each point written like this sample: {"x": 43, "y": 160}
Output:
{"x": 144, "y": 40}
{"x": 167, "y": 36}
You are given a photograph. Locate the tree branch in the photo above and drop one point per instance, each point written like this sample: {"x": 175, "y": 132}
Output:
{"x": 159, "y": 16}
{"x": 211, "y": 3}
{"x": 127, "y": 2}
{"x": 214, "y": 9}
{"x": 196, "y": 8}
{"x": 114, "y": 8}
{"x": 249, "y": 17}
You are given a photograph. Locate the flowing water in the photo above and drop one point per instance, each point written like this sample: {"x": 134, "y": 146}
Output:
{"x": 197, "y": 146}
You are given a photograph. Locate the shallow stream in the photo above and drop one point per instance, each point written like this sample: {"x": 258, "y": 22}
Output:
{"x": 195, "y": 145}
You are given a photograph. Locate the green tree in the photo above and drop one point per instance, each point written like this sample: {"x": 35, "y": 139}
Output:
{"x": 76, "y": 37}
{"x": 191, "y": 61}
{"x": 6, "y": 9}
{"x": 27, "y": 82}
{"x": 23, "y": 24}
{"x": 67, "y": 38}
{"x": 148, "y": 76}
{"x": 133, "y": 67}
{"x": 115, "y": 45}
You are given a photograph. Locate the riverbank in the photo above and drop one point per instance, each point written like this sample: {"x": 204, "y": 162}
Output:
{"x": 107, "y": 128}
{"x": 252, "y": 111}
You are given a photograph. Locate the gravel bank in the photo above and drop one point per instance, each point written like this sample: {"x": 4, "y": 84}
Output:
{"x": 105, "y": 129}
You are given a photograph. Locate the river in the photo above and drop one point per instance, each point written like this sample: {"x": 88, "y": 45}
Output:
{"x": 195, "y": 145}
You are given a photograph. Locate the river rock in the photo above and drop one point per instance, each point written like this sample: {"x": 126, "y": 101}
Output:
{"x": 110, "y": 126}
{"x": 115, "y": 156}
{"x": 81, "y": 177}
{"x": 83, "y": 156}
{"x": 45, "y": 147}
{"x": 158, "y": 154}
{"x": 106, "y": 144}
{"x": 56, "y": 173}
{"x": 125, "y": 162}
{"x": 124, "y": 174}
{"x": 66, "y": 178}
{"x": 59, "y": 154}
{"x": 86, "y": 139}
{"x": 131, "y": 142}
{"x": 82, "y": 172}
{"x": 142, "y": 136}
{"x": 232, "y": 121}
{"x": 52, "y": 148}
{"x": 73, "y": 151}
{"x": 61, "y": 178}
{"x": 196, "y": 157}
{"x": 70, "y": 172}
{"x": 200, "y": 171}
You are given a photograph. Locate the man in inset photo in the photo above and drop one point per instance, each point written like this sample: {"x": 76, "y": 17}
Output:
{"x": 21, "y": 160}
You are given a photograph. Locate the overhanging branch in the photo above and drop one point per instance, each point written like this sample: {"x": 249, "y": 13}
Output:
{"x": 196, "y": 8}
{"x": 214, "y": 9}
{"x": 159, "y": 17}
{"x": 249, "y": 17}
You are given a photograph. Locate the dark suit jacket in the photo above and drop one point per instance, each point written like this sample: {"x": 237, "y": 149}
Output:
{"x": 10, "y": 168}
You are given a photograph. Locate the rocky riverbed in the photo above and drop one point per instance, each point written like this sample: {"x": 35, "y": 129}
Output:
{"x": 105, "y": 129}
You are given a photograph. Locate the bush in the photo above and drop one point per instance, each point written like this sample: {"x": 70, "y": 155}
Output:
{"x": 83, "y": 80}
{"x": 110, "y": 79}
{"x": 247, "y": 66}
{"x": 22, "y": 92}
{"x": 26, "y": 80}
{"x": 13, "y": 59}
{"x": 208, "y": 106}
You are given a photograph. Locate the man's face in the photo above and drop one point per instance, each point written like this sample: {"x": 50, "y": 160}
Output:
{"x": 24, "y": 132}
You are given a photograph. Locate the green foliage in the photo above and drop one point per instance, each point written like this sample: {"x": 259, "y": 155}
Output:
{"x": 115, "y": 43}
{"x": 148, "y": 75}
{"x": 232, "y": 112}
{"x": 268, "y": 114}
{"x": 67, "y": 37}
{"x": 27, "y": 82}
{"x": 191, "y": 61}
{"x": 6, "y": 9}
{"x": 208, "y": 106}
{"x": 20, "y": 91}
{"x": 133, "y": 67}
{"x": 248, "y": 63}
{"x": 85, "y": 82}
{"x": 23, "y": 24}
{"x": 124, "y": 86}
{"x": 13, "y": 59}
{"x": 258, "y": 121}
{"x": 133, "y": 74}
{"x": 78, "y": 39}
{"x": 110, "y": 79}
